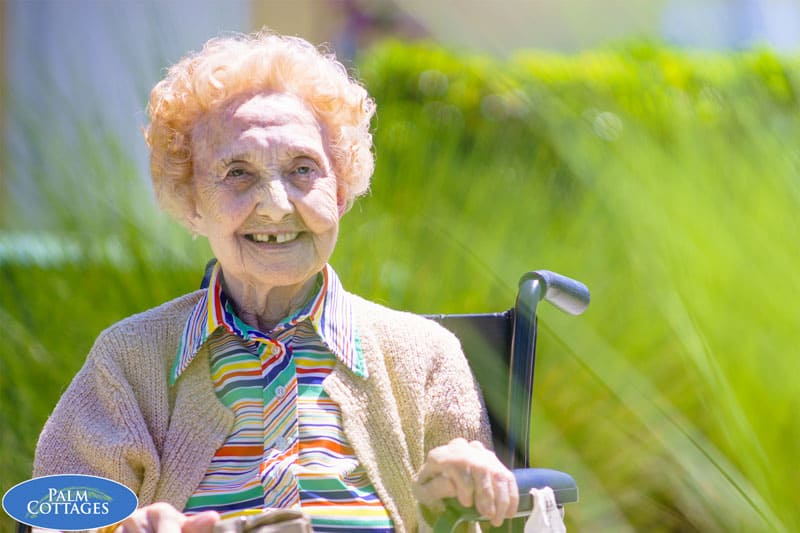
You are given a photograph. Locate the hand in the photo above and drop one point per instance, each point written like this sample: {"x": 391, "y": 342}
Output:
{"x": 161, "y": 517}
{"x": 472, "y": 474}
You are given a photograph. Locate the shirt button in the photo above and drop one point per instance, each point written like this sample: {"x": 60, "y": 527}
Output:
{"x": 280, "y": 391}
{"x": 281, "y": 443}
{"x": 274, "y": 349}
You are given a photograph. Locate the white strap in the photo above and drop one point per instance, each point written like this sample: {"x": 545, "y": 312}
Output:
{"x": 546, "y": 517}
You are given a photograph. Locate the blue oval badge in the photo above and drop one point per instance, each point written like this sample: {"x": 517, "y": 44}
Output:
{"x": 69, "y": 502}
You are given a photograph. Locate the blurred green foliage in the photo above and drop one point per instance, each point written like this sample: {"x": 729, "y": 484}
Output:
{"x": 666, "y": 180}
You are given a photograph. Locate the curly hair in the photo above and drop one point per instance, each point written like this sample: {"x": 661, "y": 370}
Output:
{"x": 228, "y": 67}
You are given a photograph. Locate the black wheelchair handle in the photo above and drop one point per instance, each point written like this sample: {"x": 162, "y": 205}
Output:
{"x": 569, "y": 295}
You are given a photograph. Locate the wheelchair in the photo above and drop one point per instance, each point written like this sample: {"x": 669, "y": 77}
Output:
{"x": 501, "y": 349}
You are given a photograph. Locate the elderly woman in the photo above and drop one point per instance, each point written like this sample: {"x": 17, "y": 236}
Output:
{"x": 273, "y": 387}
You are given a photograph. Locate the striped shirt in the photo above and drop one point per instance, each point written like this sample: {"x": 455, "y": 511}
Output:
{"x": 287, "y": 447}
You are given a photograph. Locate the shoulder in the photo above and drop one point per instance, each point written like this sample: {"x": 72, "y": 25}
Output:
{"x": 168, "y": 316}
{"x": 429, "y": 374}
{"x": 407, "y": 344}
{"x": 397, "y": 325}
{"x": 155, "y": 331}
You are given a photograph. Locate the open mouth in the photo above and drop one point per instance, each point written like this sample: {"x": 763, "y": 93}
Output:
{"x": 274, "y": 238}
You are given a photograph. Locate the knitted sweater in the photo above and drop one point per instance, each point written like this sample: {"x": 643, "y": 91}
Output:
{"x": 120, "y": 419}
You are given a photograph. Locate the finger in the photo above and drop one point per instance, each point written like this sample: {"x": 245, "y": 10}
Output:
{"x": 484, "y": 492}
{"x": 432, "y": 493}
{"x": 430, "y": 470}
{"x": 200, "y": 523}
{"x": 477, "y": 444}
{"x": 513, "y": 492}
{"x": 501, "y": 500}
{"x": 435, "y": 463}
{"x": 136, "y": 523}
{"x": 439, "y": 458}
{"x": 128, "y": 526}
{"x": 164, "y": 519}
{"x": 458, "y": 441}
{"x": 461, "y": 476}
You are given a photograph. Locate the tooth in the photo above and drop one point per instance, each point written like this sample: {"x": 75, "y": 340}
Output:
{"x": 274, "y": 237}
{"x": 285, "y": 237}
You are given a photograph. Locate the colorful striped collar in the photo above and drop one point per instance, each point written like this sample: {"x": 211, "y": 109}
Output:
{"x": 329, "y": 311}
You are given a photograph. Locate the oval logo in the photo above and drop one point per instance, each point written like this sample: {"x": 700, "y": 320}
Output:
{"x": 69, "y": 502}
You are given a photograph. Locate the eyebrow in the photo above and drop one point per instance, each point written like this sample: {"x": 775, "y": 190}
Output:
{"x": 293, "y": 151}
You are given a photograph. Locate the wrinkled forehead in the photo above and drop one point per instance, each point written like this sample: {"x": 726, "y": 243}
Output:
{"x": 273, "y": 109}
{"x": 253, "y": 112}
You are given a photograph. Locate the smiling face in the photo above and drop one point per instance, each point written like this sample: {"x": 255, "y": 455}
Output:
{"x": 265, "y": 194}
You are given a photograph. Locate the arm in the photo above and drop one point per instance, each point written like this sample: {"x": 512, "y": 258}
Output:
{"x": 454, "y": 405}
{"x": 459, "y": 462}
{"x": 97, "y": 428}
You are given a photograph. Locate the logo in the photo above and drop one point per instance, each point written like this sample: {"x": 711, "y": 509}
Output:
{"x": 70, "y": 502}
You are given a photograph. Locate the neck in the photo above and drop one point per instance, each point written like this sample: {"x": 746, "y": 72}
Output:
{"x": 265, "y": 307}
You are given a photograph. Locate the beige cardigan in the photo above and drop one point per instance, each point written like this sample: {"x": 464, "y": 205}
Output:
{"x": 120, "y": 419}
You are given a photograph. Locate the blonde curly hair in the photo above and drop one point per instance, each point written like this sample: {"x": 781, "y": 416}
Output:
{"x": 228, "y": 67}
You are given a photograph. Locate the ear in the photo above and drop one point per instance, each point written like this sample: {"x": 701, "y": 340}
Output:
{"x": 192, "y": 222}
{"x": 192, "y": 218}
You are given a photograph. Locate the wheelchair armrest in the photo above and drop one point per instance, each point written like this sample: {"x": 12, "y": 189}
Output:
{"x": 563, "y": 485}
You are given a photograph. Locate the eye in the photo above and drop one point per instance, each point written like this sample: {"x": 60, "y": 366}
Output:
{"x": 304, "y": 169}
{"x": 236, "y": 172}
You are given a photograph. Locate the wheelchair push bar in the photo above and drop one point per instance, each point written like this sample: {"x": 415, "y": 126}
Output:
{"x": 566, "y": 294}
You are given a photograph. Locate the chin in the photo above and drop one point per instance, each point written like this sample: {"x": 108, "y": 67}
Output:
{"x": 277, "y": 275}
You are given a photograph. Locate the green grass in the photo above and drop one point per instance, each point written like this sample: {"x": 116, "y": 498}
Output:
{"x": 667, "y": 181}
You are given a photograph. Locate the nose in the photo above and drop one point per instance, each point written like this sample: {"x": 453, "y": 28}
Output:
{"x": 274, "y": 202}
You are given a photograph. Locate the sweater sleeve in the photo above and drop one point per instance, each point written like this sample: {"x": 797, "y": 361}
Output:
{"x": 98, "y": 429}
{"x": 455, "y": 408}
{"x": 455, "y": 405}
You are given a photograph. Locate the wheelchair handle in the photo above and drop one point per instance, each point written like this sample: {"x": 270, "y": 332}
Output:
{"x": 563, "y": 485}
{"x": 567, "y": 294}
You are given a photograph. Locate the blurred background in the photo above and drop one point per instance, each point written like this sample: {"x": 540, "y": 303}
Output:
{"x": 650, "y": 148}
